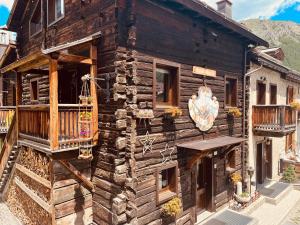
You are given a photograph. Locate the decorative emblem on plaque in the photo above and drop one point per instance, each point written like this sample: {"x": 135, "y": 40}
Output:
{"x": 204, "y": 108}
{"x": 167, "y": 153}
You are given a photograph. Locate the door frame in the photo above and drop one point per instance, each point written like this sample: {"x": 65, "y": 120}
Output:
{"x": 260, "y": 160}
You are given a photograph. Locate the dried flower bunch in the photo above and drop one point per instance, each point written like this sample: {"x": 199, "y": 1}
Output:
{"x": 295, "y": 105}
{"x": 235, "y": 178}
{"x": 174, "y": 112}
{"x": 172, "y": 207}
{"x": 234, "y": 112}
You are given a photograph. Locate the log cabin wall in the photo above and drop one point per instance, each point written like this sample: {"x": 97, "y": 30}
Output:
{"x": 171, "y": 35}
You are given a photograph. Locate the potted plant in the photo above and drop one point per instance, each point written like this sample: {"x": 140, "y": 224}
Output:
{"x": 295, "y": 105}
{"x": 243, "y": 198}
{"x": 234, "y": 112}
{"x": 83, "y": 100}
{"x": 235, "y": 178}
{"x": 85, "y": 116}
{"x": 173, "y": 112}
{"x": 171, "y": 210}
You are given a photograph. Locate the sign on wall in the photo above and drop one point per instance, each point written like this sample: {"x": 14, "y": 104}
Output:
{"x": 204, "y": 72}
{"x": 204, "y": 108}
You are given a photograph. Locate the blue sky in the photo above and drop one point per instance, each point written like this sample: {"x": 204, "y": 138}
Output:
{"x": 242, "y": 9}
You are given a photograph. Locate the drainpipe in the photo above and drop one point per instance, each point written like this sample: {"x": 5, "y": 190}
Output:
{"x": 247, "y": 74}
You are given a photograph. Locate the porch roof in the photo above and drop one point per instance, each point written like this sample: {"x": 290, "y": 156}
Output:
{"x": 204, "y": 145}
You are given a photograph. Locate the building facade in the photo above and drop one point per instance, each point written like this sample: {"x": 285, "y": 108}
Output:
{"x": 150, "y": 66}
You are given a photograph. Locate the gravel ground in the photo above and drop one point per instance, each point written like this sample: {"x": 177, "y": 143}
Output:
{"x": 6, "y": 217}
{"x": 293, "y": 217}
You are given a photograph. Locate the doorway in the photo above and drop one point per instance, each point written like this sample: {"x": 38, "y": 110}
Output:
{"x": 263, "y": 162}
{"x": 204, "y": 185}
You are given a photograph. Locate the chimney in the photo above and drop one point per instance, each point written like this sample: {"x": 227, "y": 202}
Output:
{"x": 225, "y": 7}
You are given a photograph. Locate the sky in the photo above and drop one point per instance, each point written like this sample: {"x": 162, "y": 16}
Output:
{"x": 242, "y": 9}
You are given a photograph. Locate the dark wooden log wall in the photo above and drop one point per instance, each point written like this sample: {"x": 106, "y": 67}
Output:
{"x": 171, "y": 35}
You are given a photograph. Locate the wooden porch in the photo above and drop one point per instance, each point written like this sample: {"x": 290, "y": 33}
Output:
{"x": 273, "y": 120}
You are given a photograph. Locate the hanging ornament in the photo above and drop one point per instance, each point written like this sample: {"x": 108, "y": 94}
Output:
{"x": 147, "y": 142}
{"x": 166, "y": 150}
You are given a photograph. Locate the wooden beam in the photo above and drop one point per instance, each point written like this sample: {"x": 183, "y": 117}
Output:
{"x": 53, "y": 96}
{"x": 18, "y": 63}
{"x": 33, "y": 176}
{"x": 33, "y": 195}
{"x": 78, "y": 174}
{"x": 18, "y": 99}
{"x": 74, "y": 59}
{"x": 33, "y": 64}
{"x": 93, "y": 56}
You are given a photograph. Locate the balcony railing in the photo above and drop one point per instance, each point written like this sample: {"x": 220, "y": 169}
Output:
{"x": 34, "y": 124}
{"x": 273, "y": 120}
{"x": 6, "y": 115}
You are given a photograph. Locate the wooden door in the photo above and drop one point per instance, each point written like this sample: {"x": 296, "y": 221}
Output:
{"x": 203, "y": 185}
{"x": 268, "y": 160}
{"x": 290, "y": 95}
{"x": 260, "y": 169}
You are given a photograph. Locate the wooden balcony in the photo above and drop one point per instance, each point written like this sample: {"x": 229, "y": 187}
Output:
{"x": 273, "y": 120}
{"x": 73, "y": 131}
{"x": 6, "y": 116}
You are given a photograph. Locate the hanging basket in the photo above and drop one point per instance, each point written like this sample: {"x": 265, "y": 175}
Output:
{"x": 85, "y": 153}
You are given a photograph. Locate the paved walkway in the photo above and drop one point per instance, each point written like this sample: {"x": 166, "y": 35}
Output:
{"x": 6, "y": 217}
{"x": 293, "y": 217}
{"x": 269, "y": 214}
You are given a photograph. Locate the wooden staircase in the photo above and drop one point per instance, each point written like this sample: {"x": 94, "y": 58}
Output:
{"x": 8, "y": 154}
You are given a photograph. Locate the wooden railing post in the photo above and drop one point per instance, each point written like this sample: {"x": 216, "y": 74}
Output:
{"x": 93, "y": 71}
{"x": 18, "y": 100}
{"x": 282, "y": 117}
{"x": 53, "y": 100}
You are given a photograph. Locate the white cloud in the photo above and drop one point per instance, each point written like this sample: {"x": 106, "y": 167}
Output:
{"x": 246, "y": 9}
{"x": 298, "y": 8}
{"x": 7, "y": 3}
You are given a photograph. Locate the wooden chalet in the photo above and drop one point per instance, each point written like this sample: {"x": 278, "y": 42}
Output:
{"x": 145, "y": 59}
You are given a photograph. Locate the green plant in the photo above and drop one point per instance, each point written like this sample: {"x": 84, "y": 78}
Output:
{"x": 244, "y": 195}
{"x": 234, "y": 112}
{"x": 289, "y": 175}
{"x": 85, "y": 115}
{"x": 172, "y": 207}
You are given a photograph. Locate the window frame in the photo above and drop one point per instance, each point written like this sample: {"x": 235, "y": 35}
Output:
{"x": 37, "y": 90}
{"x": 56, "y": 19}
{"x": 160, "y": 63}
{"x": 270, "y": 92}
{"x": 265, "y": 94}
{"x": 40, "y": 30}
{"x": 225, "y": 91}
{"x": 159, "y": 192}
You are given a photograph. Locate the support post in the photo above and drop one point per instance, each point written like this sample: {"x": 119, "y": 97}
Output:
{"x": 18, "y": 99}
{"x": 53, "y": 100}
{"x": 93, "y": 71}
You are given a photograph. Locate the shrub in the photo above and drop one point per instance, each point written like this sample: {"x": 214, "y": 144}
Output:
{"x": 289, "y": 175}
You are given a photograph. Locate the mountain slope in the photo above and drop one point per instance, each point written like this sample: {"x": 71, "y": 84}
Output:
{"x": 279, "y": 33}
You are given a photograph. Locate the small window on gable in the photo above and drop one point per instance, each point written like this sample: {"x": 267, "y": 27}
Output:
{"x": 273, "y": 94}
{"x": 167, "y": 183}
{"x": 34, "y": 92}
{"x": 35, "y": 24}
{"x": 231, "y": 92}
{"x": 167, "y": 85}
{"x": 56, "y": 10}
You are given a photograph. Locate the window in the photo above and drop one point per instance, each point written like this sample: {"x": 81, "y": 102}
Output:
{"x": 34, "y": 93}
{"x": 166, "y": 86}
{"x": 35, "y": 24}
{"x": 290, "y": 95}
{"x": 167, "y": 183}
{"x": 261, "y": 93}
{"x": 56, "y": 10}
{"x": 231, "y": 92}
{"x": 273, "y": 94}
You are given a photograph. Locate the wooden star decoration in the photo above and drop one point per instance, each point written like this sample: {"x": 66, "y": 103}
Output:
{"x": 167, "y": 149}
{"x": 147, "y": 142}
